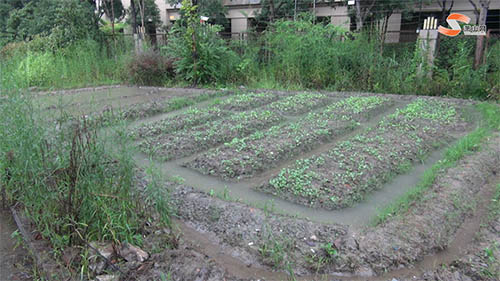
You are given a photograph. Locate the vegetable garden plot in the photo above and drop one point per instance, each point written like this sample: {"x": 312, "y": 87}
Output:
{"x": 247, "y": 101}
{"x": 344, "y": 174}
{"x": 196, "y": 139}
{"x": 243, "y": 157}
{"x": 192, "y": 117}
{"x": 299, "y": 103}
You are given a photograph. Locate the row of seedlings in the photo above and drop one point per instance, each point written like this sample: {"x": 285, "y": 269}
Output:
{"x": 198, "y": 115}
{"x": 346, "y": 173}
{"x": 299, "y": 103}
{"x": 199, "y": 138}
{"x": 191, "y": 117}
{"x": 244, "y": 157}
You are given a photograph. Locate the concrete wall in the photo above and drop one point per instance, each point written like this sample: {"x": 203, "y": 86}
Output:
{"x": 393, "y": 28}
{"x": 340, "y": 17}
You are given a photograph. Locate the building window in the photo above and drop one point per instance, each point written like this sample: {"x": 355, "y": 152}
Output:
{"x": 493, "y": 21}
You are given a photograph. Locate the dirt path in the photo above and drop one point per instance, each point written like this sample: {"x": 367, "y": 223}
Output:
{"x": 455, "y": 250}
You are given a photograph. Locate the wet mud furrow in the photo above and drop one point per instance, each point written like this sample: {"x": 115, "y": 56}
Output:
{"x": 244, "y": 190}
{"x": 432, "y": 233}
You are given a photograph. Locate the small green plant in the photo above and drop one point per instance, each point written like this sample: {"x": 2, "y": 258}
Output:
{"x": 471, "y": 142}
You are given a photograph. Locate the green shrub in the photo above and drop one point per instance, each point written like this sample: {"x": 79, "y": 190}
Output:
{"x": 213, "y": 62}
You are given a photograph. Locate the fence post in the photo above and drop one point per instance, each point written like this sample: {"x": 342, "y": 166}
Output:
{"x": 138, "y": 40}
{"x": 428, "y": 42}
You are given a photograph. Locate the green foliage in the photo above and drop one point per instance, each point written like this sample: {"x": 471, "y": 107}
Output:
{"x": 113, "y": 8}
{"x": 70, "y": 186}
{"x": 83, "y": 63}
{"x": 201, "y": 56}
{"x": 213, "y": 9}
{"x": 151, "y": 13}
{"x": 459, "y": 79}
{"x": 64, "y": 22}
{"x": 305, "y": 53}
{"x": 273, "y": 10}
{"x": 467, "y": 144}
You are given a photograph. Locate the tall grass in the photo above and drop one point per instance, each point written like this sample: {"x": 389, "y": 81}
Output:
{"x": 72, "y": 187}
{"x": 307, "y": 55}
{"x": 84, "y": 63}
{"x": 74, "y": 183}
{"x": 290, "y": 55}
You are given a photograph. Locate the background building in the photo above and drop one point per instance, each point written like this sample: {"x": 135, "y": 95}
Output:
{"x": 400, "y": 28}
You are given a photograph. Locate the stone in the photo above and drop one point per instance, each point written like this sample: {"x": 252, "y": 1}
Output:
{"x": 107, "y": 278}
{"x": 132, "y": 253}
{"x": 97, "y": 263}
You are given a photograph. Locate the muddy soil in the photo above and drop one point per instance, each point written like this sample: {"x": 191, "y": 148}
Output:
{"x": 15, "y": 262}
{"x": 247, "y": 101}
{"x": 264, "y": 150}
{"x": 224, "y": 240}
{"x": 190, "y": 118}
{"x": 428, "y": 228}
{"x": 345, "y": 174}
{"x": 199, "y": 138}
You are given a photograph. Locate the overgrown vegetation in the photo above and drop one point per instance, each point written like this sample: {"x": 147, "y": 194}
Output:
{"x": 83, "y": 63}
{"x": 289, "y": 54}
{"x": 68, "y": 181}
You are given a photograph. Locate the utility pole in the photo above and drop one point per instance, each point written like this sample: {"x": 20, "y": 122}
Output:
{"x": 314, "y": 11}
{"x": 295, "y": 11}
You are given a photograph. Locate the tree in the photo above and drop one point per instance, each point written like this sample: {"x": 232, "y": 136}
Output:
{"x": 114, "y": 11}
{"x": 445, "y": 9}
{"x": 65, "y": 21}
{"x": 363, "y": 10}
{"x": 484, "y": 5}
{"x": 148, "y": 8}
{"x": 445, "y": 12}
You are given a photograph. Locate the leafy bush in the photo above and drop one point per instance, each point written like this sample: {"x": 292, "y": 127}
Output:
{"x": 65, "y": 22}
{"x": 150, "y": 68}
{"x": 460, "y": 79}
{"x": 201, "y": 56}
{"x": 213, "y": 61}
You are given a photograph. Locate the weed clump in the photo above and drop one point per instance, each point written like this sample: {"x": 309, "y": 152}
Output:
{"x": 150, "y": 68}
{"x": 69, "y": 182}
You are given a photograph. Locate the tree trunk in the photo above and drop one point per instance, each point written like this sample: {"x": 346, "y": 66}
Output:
{"x": 359, "y": 17}
{"x": 480, "y": 39}
{"x": 271, "y": 11}
{"x": 385, "y": 23}
{"x": 113, "y": 18}
{"x": 134, "y": 16}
